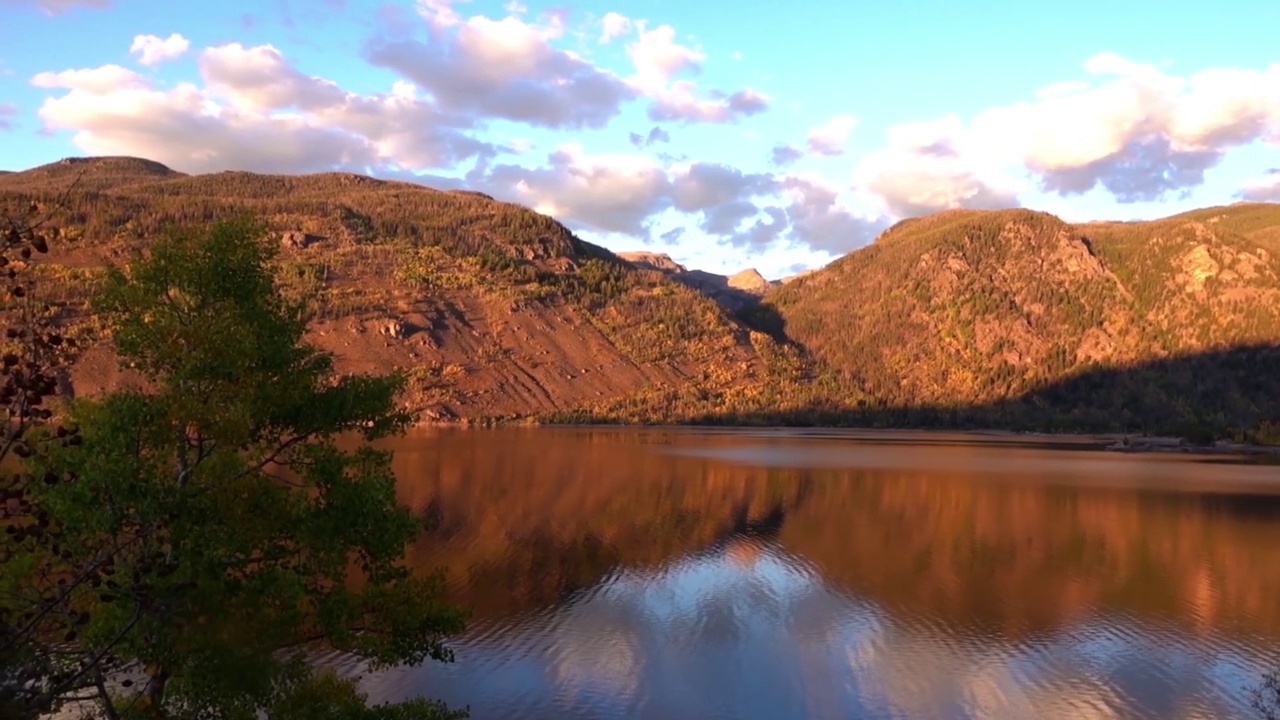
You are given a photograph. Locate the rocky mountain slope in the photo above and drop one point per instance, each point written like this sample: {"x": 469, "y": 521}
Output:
{"x": 969, "y": 308}
{"x": 735, "y": 292}
{"x": 977, "y": 318}
{"x": 494, "y": 310}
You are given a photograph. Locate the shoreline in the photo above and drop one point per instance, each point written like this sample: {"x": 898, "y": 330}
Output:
{"x": 1126, "y": 443}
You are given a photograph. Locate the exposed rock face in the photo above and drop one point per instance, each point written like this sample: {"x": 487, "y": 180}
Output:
{"x": 653, "y": 261}
{"x": 392, "y": 328}
{"x": 298, "y": 240}
{"x": 734, "y": 292}
{"x": 973, "y": 306}
{"x": 749, "y": 280}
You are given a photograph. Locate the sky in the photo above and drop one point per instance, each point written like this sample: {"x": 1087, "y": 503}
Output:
{"x": 774, "y": 135}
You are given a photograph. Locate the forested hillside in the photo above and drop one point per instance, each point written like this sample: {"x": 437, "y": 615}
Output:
{"x": 495, "y": 311}
{"x": 965, "y": 318}
{"x": 1099, "y": 325}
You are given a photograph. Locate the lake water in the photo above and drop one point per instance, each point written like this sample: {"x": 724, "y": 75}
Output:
{"x": 636, "y": 573}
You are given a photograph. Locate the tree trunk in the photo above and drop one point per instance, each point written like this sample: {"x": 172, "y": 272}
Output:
{"x": 154, "y": 690}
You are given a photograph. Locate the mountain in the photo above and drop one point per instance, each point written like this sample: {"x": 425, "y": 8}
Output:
{"x": 1008, "y": 318}
{"x": 968, "y": 309}
{"x": 735, "y": 292}
{"x": 494, "y": 310}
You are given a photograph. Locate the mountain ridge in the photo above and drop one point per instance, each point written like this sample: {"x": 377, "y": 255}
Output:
{"x": 493, "y": 310}
{"x": 496, "y": 311}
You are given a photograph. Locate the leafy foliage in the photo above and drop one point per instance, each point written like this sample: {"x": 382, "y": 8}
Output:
{"x": 34, "y": 355}
{"x": 227, "y": 530}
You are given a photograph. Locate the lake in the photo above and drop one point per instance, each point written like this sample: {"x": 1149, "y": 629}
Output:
{"x": 682, "y": 573}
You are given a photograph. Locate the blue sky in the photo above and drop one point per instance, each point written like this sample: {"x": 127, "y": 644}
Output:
{"x": 773, "y": 135}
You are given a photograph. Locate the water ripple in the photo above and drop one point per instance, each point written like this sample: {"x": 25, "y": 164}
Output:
{"x": 714, "y": 575}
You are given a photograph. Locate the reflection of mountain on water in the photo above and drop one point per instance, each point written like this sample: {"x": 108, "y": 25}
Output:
{"x": 525, "y": 519}
{"x": 635, "y": 574}
{"x": 709, "y": 635}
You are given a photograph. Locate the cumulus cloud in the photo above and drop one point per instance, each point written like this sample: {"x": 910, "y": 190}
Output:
{"x": 680, "y": 102}
{"x": 613, "y": 26}
{"x": 100, "y": 80}
{"x": 259, "y": 78}
{"x": 254, "y": 112}
{"x": 504, "y": 68}
{"x": 925, "y": 168}
{"x": 7, "y": 111}
{"x": 513, "y": 69}
{"x": 1135, "y": 131}
{"x": 608, "y": 192}
{"x": 818, "y": 219}
{"x": 618, "y": 193}
{"x": 829, "y": 138}
{"x": 56, "y": 7}
{"x": 704, "y": 186}
{"x": 657, "y": 57}
{"x": 1263, "y": 189}
{"x": 153, "y": 50}
{"x": 784, "y": 154}
{"x": 1139, "y": 132}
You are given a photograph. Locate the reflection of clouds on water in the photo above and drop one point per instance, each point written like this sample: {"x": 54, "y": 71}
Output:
{"x": 712, "y": 636}
{"x": 595, "y": 659}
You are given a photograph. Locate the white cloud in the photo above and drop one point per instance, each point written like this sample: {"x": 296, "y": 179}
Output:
{"x": 784, "y": 154}
{"x": 181, "y": 128}
{"x": 1263, "y": 189}
{"x": 504, "y": 68}
{"x": 56, "y": 7}
{"x": 680, "y": 102}
{"x": 259, "y": 78}
{"x": 513, "y": 69}
{"x": 1136, "y": 131}
{"x": 1139, "y": 133}
{"x": 618, "y": 193}
{"x": 819, "y": 219}
{"x": 100, "y": 80}
{"x": 152, "y": 50}
{"x": 926, "y": 168}
{"x": 608, "y": 192}
{"x": 657, "y": 57}
{"x": 702, "y": 186}
{"x": 254, "y": 112}
{"x": 439, "y": 13}
{"x": 7, "y": 110}
{"x": 613, "y": 26}
{"x": 829, "y": 138}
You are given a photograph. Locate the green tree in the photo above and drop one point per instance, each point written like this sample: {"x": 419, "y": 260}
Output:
{"x": 212, "y": 532}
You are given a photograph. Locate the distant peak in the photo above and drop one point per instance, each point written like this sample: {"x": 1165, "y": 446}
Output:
{"x": 749, "y": 279}
{"x": 652, "y": 261}
{"x": 118, "y": 162}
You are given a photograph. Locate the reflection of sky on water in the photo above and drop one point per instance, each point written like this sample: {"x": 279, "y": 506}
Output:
{"x": 745, "y": 630}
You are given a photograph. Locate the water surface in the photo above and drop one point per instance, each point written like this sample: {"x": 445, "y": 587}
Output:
{"x": 624, "y": 573}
